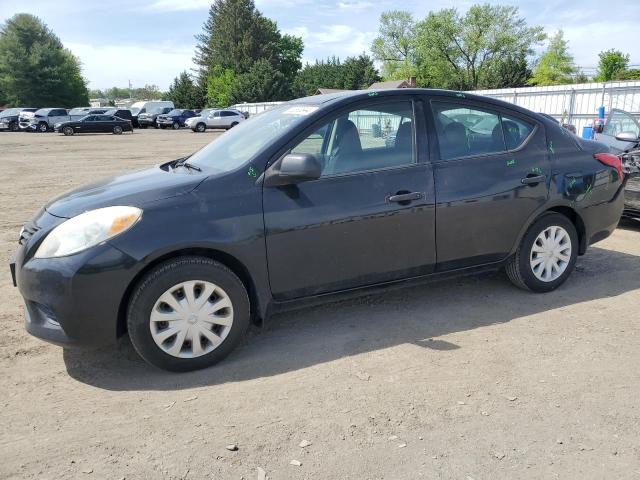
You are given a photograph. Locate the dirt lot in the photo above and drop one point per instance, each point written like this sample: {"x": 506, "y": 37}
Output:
{"x": 466, "y": 379}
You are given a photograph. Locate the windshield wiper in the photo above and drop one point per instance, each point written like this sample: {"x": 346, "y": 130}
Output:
{"x": 182, "y": 162}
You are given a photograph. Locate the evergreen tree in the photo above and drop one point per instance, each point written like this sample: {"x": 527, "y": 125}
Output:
{"x": 555, "y": 66}
{"x": 184, "y": 93}
{"x": 36, "y": 69}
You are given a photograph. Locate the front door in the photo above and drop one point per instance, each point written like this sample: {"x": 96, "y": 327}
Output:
{"x": 493, "y": 173}
{"x": 369, "y": 218}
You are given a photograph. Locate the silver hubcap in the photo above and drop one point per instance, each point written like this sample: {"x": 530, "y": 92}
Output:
{"x": 550, "y": 254}
{"x": 191, "y": 319}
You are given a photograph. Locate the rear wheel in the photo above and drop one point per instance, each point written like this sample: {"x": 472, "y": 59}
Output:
{"x": 117, "y": 130}
{"x": 546, "y": 256}
{"x": 142, "y": 126}
{"x": 67, "y": 131}
{"x": 187, "y": 313}
{"x": 201, "y": 127}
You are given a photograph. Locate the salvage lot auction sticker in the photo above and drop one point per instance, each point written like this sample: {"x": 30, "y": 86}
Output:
{"x": 300, "y": 110}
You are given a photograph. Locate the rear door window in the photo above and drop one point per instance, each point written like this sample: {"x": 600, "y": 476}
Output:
{"x": 465, "y": 130}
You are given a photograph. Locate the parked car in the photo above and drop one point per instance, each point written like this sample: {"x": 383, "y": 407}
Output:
{"x": 150, "y": 117}
{"x": 617, "y": 122}
{"x": 630, "y": 158}
{"x": 146, "y": 106}
{"x": 95, "y": 124}
{"x": 301, "y": 204}
{"x": 123, "y": 113}
{"x": 175, "y": 118}
{"x": 215, "y": 119}
{"x": 9, "y": 118}
{"x": 44, "y": 119}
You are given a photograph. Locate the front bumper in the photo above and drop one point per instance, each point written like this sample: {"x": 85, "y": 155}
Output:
{"x": 166, "y": 121}
{"x": 74, "y": 299}
{"x": 149, "y": 122}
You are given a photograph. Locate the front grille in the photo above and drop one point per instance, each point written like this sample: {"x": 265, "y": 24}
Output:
{"x": 27, "y": 232}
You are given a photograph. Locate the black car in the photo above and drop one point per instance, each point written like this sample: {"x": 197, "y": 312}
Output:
{"x": 123, "y": 113}
{"x": 303, "y": 203}
{"x": 9, "y": 118}
{"x": 95, "y": 124}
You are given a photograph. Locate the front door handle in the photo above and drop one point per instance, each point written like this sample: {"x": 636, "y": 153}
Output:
{"x": 405, "y": 197}
{"x": 533, "y": 179}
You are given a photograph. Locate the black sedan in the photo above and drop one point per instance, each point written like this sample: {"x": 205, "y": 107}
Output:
{"x": 95, "y": 124}
{"x": 307, "y": 202}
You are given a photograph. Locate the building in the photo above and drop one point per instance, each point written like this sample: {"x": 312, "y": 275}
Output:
{"x": 390, "y": 84}
{"x": 98, "y": 102}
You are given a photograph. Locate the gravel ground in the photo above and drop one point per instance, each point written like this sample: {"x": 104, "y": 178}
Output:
{"x": 464, "y": 379}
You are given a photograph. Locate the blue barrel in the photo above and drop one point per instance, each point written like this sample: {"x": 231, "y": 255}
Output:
{"x": 587, "y": 132}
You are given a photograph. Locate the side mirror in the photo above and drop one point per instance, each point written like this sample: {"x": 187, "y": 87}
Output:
{"x": 627, "y": 137}
{"x": 293, "y": 168}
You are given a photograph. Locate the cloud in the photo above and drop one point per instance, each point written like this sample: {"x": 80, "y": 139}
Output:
{"x": 356, "y": 6}
{"x": 340, "y": 40}
{"x": 114, "y": 65}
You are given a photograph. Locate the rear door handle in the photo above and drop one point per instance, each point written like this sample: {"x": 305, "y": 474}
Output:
{"x": 532, "y": 180}
{"x": 405, "y": 197}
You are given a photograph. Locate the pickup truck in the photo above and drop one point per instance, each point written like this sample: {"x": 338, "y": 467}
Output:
{"x": 44, "y": 119}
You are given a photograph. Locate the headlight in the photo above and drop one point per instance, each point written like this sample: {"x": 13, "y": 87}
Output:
{"x": 87, "y": 230}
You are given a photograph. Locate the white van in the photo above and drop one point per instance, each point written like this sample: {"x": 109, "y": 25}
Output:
{"x": 148, "y": 107}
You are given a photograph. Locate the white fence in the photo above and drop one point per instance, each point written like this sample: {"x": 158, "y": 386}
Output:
{"x": 575, "y": 104}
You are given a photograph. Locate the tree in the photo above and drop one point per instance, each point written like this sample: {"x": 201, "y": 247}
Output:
{"x": 148, "y": 92}
{"x": 183, "y": 92}
{"x": 352, "y": 74}
{"x": 395, "y": 44}
{"x": 612, "y": 65}
{"x": 511, "y": 71}
{"x": 464, "y": 51}
{"x": 262, "y": 83}
{"x": 35, "y": 68}
{"x": 219, "y": 87}
{"x": 555, "y": 66}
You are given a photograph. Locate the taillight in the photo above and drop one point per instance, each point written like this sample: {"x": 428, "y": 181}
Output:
{"x": 610, "y": 160}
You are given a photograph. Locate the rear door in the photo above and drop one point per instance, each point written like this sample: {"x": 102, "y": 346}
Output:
{"x": 58, "y": 115}
{"x": 369, "y": 218}
{"x": 492, "y": 172}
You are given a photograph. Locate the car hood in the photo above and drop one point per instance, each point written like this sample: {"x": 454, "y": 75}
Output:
{"x": 132, "y": 189}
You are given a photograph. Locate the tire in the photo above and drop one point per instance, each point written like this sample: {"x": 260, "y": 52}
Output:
{"x": 162, "y": 281}
{"x": 68, "y": 131}
{"x": 200, "y": 128}
{"x": 43, "y": 127}
{"x": 117, "y": 130}
{"x": 143, "y": 127}
{"x": 175, "y": 126}
{"x": 14, "y": 127}
{"x": 534, "y": 270}
{"x": 233, "y": 124}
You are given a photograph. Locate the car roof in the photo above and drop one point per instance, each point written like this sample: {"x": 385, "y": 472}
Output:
{"x": 351, "y": 95}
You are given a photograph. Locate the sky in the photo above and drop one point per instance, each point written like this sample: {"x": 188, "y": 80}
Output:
{"x": 151, "y": 41}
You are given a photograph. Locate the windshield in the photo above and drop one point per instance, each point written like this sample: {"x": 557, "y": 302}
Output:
{"x": 9, "y": 112}
{"x": 135, "y": 110}
{"x": 243, "y": 142}
{"x": 175, "y": 111}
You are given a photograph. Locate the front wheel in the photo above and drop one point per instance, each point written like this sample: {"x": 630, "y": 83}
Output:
{"x": 67, "y": 131}
{"x": 175, "y": 126}
{"x": 43, "y": 127}
{"x": 117, "y": 130}
{"x": 201, "y": 127}
{"x": 188, "y": 313}
{"x": 14, "y": 127}
{"x": 546, "y": 255}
